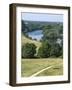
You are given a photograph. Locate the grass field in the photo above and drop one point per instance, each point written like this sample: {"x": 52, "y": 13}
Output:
{"x": 31, "y": 66}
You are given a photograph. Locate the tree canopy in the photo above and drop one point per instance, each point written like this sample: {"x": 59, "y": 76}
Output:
{"x": 28, "y": 50}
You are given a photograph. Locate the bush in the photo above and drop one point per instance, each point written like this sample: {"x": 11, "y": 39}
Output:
{"x": 28, "y": 50}
{"x": 56, "y": 50}
{"x": 44, "y": 50}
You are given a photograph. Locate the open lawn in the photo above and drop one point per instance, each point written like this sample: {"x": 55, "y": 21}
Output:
{"x": 32, "y": 66}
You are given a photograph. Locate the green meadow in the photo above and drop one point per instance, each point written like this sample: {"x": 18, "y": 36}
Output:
{"x": 32, "y": 66}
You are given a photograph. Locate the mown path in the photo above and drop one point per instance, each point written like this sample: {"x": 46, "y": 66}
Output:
{"x": 35, "y": 74}
{"x": 41, "y": 71}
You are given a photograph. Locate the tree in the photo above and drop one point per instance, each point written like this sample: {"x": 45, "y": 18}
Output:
{"x": 44, "y": 50}
{"x": 28, "y": 50}
{"x": 53, "y": 32}
{"x": 51, "y": 36}
{"x": 56, "y": 50}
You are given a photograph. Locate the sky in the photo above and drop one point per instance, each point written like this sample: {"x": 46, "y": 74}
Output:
{"x": 42, "y": 17}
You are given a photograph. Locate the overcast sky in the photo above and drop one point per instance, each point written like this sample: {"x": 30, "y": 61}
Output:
{"x": 42, "y": 17}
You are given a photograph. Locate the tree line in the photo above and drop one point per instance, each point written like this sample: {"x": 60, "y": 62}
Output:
{"x": 45, "y": 50}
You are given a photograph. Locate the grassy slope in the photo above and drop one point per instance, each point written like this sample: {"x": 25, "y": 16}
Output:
{"x": 27, "y": 40}
{"x": 31, "y": 66}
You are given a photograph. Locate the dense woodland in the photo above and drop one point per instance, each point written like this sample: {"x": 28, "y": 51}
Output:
{"x": 52, "y": 40}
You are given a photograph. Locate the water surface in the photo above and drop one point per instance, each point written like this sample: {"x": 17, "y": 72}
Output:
{"x": 37, "y": 34}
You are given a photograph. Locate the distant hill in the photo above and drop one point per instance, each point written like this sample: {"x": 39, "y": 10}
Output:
{"x": 42, "y": 22}
{"x": 28, "y": 26}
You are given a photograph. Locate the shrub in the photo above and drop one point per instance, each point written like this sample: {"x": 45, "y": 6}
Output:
{"x": 28, "y": 50}
{"x": 56, "y": 50}
{"x": 44, "y": 50}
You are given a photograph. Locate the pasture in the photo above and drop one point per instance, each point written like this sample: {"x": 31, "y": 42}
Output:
{"x": 32, "y": 66}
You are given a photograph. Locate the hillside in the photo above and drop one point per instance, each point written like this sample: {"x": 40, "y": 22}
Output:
{"x": 27, "y": 40}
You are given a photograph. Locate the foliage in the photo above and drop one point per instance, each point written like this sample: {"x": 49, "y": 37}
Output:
{"x": 44, "y": 50}
{"x": 51, "y": 44}
{"x": 56, "y": 50}
{"x": 47, "y": 50}
{"x": 28, "y": 50}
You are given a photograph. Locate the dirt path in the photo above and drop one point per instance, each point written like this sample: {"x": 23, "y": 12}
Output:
{"x": 41, "y": 71}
